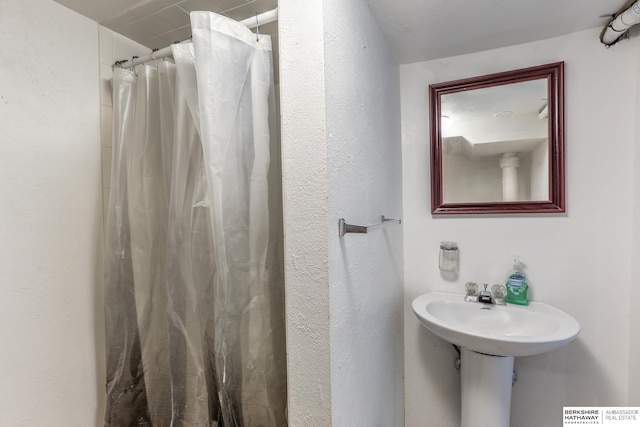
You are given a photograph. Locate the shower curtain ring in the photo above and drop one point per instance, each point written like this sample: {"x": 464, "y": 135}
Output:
{"x": 133, "y": 64}
{"x": 257, "y": 28}
{"x": 153, "y": 56}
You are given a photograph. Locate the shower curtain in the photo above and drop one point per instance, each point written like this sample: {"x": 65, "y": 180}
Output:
{"x": 193, "y": 289}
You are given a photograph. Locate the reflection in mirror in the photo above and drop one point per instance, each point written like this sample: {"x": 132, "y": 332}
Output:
{"x": 497, "y": 143}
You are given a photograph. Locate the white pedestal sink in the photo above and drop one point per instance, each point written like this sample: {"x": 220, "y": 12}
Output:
{"x": 490, "y": 336}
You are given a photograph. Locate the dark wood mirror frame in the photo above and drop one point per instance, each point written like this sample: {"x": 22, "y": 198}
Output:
{"x": 554, "y": 74}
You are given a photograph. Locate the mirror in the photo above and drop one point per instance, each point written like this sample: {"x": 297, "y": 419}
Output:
{"x": 497, "y": 143}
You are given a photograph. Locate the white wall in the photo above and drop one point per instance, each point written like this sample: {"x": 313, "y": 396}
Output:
{"x": 477, "y": 179}
{"x": 341, "y": 158}
{"x": 540, "y": 172}
{"x": 634, "y": 296}
{"x": 364, "y": 165}
{"x": 50, "y": 217}
{"x": 304, "y": 182}
{"x": 578, "y": 262}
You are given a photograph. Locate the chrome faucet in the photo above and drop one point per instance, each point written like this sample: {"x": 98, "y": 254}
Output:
{"x": 495, "y": 296}
{"x": 485, "y": 296}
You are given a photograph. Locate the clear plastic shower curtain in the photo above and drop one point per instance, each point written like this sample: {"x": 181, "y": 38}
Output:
{"x": 194, "y": 294}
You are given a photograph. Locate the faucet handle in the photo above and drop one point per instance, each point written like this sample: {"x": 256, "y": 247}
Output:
{"x": 471, "y": 288}
{"x": 499, "y": 291}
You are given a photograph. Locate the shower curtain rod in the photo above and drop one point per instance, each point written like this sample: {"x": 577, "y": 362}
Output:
{"x": 253, "y": 22}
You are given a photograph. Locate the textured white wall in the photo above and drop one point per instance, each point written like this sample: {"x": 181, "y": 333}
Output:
{"x": 50, "y": 217}
{"x": 341, "y": 158}
{"x": 365, "y": 181}
{"x": 579, "y": 262}
{"x": 304, "y": 181}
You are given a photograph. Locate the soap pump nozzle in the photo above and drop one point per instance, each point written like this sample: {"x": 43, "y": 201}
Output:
{"x": 518, "y": 266}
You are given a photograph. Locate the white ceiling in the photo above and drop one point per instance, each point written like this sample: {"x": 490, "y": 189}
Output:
{"x": 428, "y": 29}
{"x": 497, "y": 113}
{"x": 158, "y": 23}
{"x": 417, "y": 29}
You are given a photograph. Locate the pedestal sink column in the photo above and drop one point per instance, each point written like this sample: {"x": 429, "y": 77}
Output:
{"x": 486, "y": 389}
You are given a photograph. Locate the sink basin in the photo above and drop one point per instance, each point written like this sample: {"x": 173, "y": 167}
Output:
{"x": 493, "y": 329}
{"x": 490, "y": 337}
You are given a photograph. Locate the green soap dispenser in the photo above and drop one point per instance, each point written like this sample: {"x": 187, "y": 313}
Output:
{"x": 517, "y": 285}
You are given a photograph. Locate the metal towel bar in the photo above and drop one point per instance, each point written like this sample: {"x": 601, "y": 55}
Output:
{"x": 345, "y": 228}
